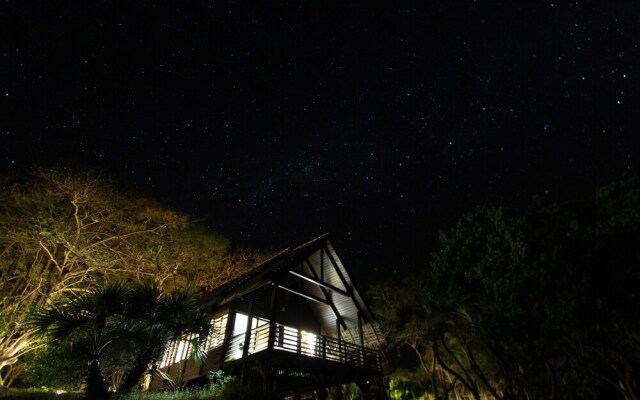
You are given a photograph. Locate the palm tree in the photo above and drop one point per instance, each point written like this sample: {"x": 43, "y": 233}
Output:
{"x": 94, "y": 317}
{"x": 156, "y": 318}
{"x": 132, "y": 323}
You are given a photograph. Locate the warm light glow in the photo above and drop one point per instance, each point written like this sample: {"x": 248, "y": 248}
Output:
{"x": 177, "y": 351}
{"x": 216, "y": 335}
{"x": 308, "y": 343}
{"x": 258, "y": 338}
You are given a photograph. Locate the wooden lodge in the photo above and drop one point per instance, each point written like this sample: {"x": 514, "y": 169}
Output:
{"x": 295, "y": 325}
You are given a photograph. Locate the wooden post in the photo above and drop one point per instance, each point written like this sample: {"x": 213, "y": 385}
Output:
{"x": 322, "y": 265}
{"x": 247, "y": 334}
{"x": 270, "y": 377}
{"x": 339, "y": 341}
{"x": 361, "y": 339}
{"x": 272, "y": 316}
{"x": 231, "y": 320}
{"x": 360, "y": 332}
{"x": 321, "y": 347}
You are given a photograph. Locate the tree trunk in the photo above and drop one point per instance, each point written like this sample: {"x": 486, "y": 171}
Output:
{"x": 135, "y": 373}
{"x": 95, "y": 381}
{"x": 132, "y": 377}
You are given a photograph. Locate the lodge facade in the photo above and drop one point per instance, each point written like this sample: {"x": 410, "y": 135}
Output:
{"x": 295, "y": 325}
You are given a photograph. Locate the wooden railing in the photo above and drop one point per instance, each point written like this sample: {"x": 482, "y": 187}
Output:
{"x": 292, "y": 340}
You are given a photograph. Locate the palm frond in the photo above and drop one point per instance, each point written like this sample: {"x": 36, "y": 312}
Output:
{"x": 143, "y": 300}
{"x": 199, "y": 353}
{"x": 58, "y": 323}
{"x": 111, "y": 298}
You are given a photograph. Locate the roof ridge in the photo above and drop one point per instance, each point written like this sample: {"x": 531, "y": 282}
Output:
{"x": 263, "y": 267}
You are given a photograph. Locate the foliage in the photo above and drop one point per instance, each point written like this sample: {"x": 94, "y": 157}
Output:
{"x": 408, "y": 385}
{"x": 531, "y": 304}
{"x": 59, "y": 233}
{"x": 231, "y": 265}
{"x": 403, "y": 311}
{"x": 63, "y": 233}
{"x": 128, "y": 325}
{"x": 37, "y": 394}
{"x": 218, "y": 389}
{"x": 348, "y": 391}
{"x": 235, "y": 390}
{"x": 94, "y": 319}
{"x": 55, "y": 367}
{"x": 153, "y": 318}
{"x": 215, "y": 391}
{"x": 612, "y": 336}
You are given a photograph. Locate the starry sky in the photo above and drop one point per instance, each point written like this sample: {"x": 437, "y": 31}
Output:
{"x": 274, "y": 122}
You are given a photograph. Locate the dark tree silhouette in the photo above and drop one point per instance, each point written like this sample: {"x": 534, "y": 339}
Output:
{"x": 539, "y": 303}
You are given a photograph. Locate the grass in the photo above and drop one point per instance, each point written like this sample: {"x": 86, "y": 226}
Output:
{"x": 224, "y": 389}
{"x": 213, "y": 392}
{"x": 210, "y": 393}
{"x": 32, "y": 394}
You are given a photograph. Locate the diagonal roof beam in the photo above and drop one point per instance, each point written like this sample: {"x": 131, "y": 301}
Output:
{"x": 327, "y": 295}
{"x": 335, "y": 266}
{"x": 305, "y": 295}
{"x": 314, "y": 279}
{"x": 344, "y": 281}
{"x": 318, "y": 300}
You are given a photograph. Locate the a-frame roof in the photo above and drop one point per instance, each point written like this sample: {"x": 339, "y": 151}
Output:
{"x": 321, "y": 277}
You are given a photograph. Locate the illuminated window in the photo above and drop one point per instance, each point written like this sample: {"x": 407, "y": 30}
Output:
{"x": 286, "y": 338}
{"x": 216, "y": 335}
{"x": 309, "y": 343}
{"x": 177, "y": 351}
{"x": 258, "y": 337}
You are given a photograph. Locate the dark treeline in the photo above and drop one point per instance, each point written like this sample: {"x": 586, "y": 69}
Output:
{"x": 539, "y": 303}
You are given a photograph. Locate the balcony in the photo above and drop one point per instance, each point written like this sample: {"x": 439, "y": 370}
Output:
{"x": 290, "y": 340}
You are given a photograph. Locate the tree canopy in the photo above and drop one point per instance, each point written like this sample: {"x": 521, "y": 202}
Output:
{"x": 64, "y": 233}
{"x": 537, "y": 303}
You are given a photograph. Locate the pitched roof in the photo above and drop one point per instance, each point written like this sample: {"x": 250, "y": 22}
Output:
{"x": 261, "y": 274}
{"x": 307, "y": 260}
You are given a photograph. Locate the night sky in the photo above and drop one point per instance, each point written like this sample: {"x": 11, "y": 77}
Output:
{"x": 274, "y": 124}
